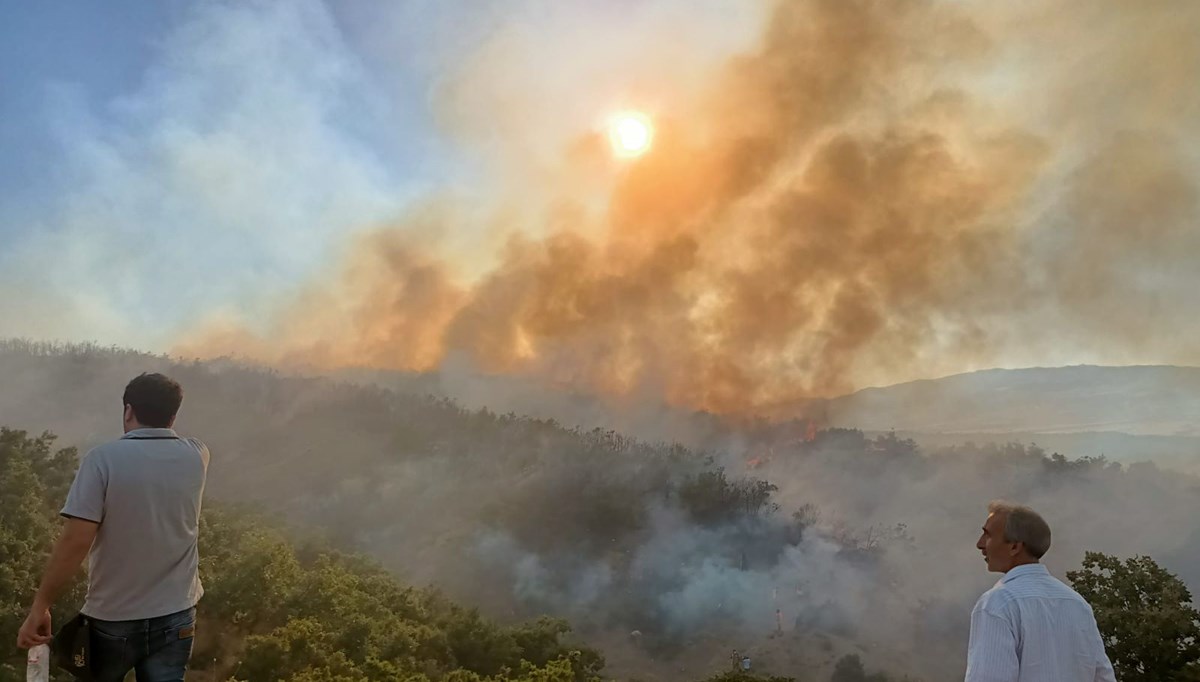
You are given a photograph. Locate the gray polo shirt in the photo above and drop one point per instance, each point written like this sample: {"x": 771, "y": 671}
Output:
{"x": 144, "y": 490}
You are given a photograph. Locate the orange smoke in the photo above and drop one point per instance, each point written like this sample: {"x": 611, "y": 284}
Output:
{"x": 830, "y": 210}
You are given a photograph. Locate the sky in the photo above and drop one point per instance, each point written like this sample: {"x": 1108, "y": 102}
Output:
{"x": 164, "y": 159}
{"x": 138, "y": 133}
{"x": 839, "y": 194}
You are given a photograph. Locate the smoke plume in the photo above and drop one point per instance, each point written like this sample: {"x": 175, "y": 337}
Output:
{"x": 872, "y": 188}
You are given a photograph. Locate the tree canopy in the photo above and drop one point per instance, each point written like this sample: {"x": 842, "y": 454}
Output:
{"x": 1145, "y": 613}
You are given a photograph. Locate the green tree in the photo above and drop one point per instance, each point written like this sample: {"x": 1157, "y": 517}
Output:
{"x": 322, "y": 615}
{"x": 34, "y": 480}
{"x": 1145, "y": 614}
{"x": 711, "y": 498}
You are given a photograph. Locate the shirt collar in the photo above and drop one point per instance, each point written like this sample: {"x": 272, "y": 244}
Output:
{"x": 1023, "y": 570}
{"x": 149, "y": 433}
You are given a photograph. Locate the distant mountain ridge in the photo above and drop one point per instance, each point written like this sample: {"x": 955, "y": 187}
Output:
{"x": 1144, "y": 400}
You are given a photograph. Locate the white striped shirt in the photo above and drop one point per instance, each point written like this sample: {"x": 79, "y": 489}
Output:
{"x": 1031, "y": 627}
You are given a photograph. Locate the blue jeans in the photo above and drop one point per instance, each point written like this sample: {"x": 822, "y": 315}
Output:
{"x": 156, "y": 649}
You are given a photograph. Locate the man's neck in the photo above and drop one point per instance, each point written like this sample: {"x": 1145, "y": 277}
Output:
{"x": 138, "y": 426}
{"x": 1023, "y": 562}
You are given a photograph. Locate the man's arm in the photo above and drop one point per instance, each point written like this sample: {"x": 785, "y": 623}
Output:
{"x": 992, "y": 652}
{"x": 68, "y": 553}
{"x": 1104, "y": 671}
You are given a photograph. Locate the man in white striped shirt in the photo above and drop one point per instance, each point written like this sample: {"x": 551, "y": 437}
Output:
{"x": 1030, "y": 627}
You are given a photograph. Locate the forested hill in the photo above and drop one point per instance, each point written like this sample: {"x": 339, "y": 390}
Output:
{"x": 800, "y": 548}
{"x": 276, "y": 611}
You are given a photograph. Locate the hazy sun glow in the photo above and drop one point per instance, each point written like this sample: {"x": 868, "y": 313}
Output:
{"x": 631, "y": 133}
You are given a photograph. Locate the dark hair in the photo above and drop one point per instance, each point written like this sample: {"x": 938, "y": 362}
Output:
{"x": 155, "y": 399}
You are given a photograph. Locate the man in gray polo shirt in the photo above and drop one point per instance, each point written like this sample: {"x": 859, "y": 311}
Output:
{"x": 135, "y": 504}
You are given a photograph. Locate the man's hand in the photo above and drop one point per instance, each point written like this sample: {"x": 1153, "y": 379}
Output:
{"x": 35, "y": 630}
{"x": 72, "y": 546}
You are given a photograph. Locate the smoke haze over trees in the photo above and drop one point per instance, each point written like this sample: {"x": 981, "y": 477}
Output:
{"x": 273, "y": 611}
{"x": 800, "y": 549}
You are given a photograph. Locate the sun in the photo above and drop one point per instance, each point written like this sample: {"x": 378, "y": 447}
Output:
{"x": 630, "y": 133}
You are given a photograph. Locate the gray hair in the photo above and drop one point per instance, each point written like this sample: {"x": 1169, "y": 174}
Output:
{"x": 1024, "y": 525}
